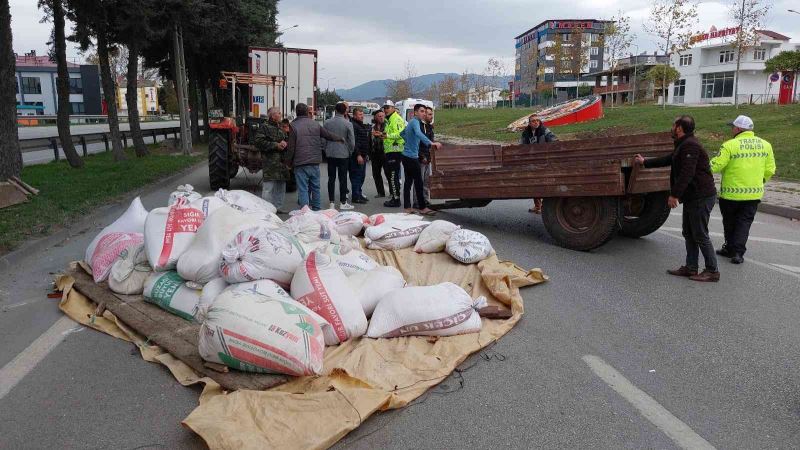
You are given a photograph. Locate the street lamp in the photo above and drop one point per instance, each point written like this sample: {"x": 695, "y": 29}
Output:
{"x": 284, "y": 29}
{"x": 793, "y": 11}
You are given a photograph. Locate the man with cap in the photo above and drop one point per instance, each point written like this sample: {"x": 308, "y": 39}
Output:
{"x": 393, "y": 144}
{"x": 746, "y": 162}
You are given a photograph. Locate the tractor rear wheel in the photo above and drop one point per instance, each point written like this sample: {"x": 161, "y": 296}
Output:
{"x": 219, "y": 160}
{"x": 580, "y": 223}
{"x": 643, "y": 214}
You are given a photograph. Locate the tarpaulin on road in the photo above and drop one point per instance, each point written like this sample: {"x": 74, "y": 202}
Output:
{"x": 362, "y": 376}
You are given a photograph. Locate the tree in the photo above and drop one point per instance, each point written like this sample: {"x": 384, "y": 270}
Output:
{"x": 403, "y": 86}
{"x": 673, "y": 23}
{"x": 662, "y": 76}
{"x": 93, "y": 20}
{"x": 447, "y": 91}
{"x": 558, "y": 52}
{"x": 749, "y": 16}
{"x": 327, "y": 97}
{"x": 54, "y": 10}
{"x": 10, "y": 155}
{"x": 785, "y": 61}
{"x": 616, "y": 40}
{"x": 578, "y": 55}
{"x": 168, "y": 99}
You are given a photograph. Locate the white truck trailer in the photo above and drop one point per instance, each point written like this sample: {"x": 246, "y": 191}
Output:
{"x": 297, "y": 66}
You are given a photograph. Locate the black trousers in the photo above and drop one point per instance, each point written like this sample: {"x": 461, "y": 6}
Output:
{"x": 377, "y": 160}
{"x": 413, "y": 173}
{"x": 737, "y": 217}
{"x": 337, "y": 166}
{"x": 695, "y": 233}
{"x": 392, "y": 167}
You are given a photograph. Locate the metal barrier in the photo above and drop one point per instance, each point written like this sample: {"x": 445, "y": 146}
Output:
{"x": 34, "y": 121}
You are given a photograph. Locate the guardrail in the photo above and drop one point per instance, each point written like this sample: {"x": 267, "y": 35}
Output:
{"x": 38, "y": 121}
{"x": 83, "y": 140}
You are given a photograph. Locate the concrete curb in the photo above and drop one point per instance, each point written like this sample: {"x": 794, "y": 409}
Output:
{"x": 25, "y": 250}
{"x": 777, "y": 210}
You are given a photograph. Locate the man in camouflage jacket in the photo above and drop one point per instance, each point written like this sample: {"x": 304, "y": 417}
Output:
{"x": 271, "y": 140}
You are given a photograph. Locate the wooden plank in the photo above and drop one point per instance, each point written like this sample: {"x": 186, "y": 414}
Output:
{"x": 175, "y": 335}
{"x": 648, "y": 180}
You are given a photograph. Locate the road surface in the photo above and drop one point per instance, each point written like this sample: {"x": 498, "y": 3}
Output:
{"x": 611, "y": 353}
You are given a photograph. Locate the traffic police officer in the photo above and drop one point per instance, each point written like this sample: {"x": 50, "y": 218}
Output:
{"x": 746, "y": 162}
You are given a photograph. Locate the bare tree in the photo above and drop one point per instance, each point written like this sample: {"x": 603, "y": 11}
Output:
{"x": 54, "y": 10}
{"x": 10, "y": 155}
{"x": 749, "y": 16}
{"x": 560, "y": 61}
{"x": 616, "y": 40}
{"x": 462, "y": 91}
{"x": 673, "y": 22}
{"x": 447, "y": 90}
{"x": 403, "y": 86}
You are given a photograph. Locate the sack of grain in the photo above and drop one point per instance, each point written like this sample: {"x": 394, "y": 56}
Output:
{"x": 351, "y": 242}
{"x": 257, "y": 333}
{"x": 394, "y": 235}
{"x": 441, "y": 310}
{"x": 311, "y": 230}
{"x": 125, "y": 232}
{"x": 350, "y": 223}
{"x": 382, "y": 218}
{"x": 267, "y": 288}
{"x": 170, "y": 292}
{"x": 200, "y": 261}
{"x": 468, "y": 246}
{"x": 433, "y": 238}
{"x": 321, "y": 285}
{"x": 265, "y": 218}
{"x": 259, "y": 253}
{"x": 373, "y": 286}
{"x": 210, "y": 291}
{"x": 184, "y": 191}
{"x": 245, "y": 201}
{"x": 130, "y": 271}
{"x": 349, "y": 260}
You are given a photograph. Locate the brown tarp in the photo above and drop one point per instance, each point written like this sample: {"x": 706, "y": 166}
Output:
{"x": 362, "y": 376}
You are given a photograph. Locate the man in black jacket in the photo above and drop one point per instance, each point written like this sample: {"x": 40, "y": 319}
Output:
{"x": 692, "y": 184}
{"x": 358, "y": 160}
{"x": 377, "y": 157}
{"x": 536, "y": 133}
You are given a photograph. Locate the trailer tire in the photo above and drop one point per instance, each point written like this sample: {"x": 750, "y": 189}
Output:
{"x": 643, "y": 214}
{"x": 581, "y": 223}
{"x": 218, "y": 160}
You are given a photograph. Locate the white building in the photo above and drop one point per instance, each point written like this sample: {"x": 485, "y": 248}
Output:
{"x": 147, "y": 97}
{"x": 483, "y": 97}
{"x": 708, "y": 69}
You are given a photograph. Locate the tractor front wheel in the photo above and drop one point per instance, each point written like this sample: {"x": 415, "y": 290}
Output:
{"x": 219, "y": 160}
{"x": 580, "y": 223}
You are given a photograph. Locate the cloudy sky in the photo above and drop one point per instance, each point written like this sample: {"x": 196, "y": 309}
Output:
{"x": 360, "y": 41}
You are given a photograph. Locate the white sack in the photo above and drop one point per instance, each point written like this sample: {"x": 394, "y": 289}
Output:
{"x": 200, "y": 262}
{"x": 349, "y": 260}
{"x": 184, "y": 191}
{"x": 350, "y": 242}
{"x": 130, "y": 271}
{"x": 311, "y": 230}
{"x": 170, "y": 292}
{"x": 441, "y": 310}
{"x": 245, "y": 201}
{"x": 382, "y": 218}
{"x": 350, "y": 223}
{"x": 321, "y": 285}
{"x": 266, "y": 218}
{"x": 433, "y": 238}
{"x": 267, "y": 288}
{"x": 255, "y": 333}
{"x": 468, "y": 246}
{"x": 259, "y": 253}
{"x": 210, "y": 291}
{"x": 372, "y": 286}
{"x": 394, "y": 235}
{"x": 114, "y": 239}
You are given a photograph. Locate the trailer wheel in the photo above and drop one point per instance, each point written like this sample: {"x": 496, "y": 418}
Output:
{"x": 218, "y": 160}
{"x": 580, "y": 223}
{"x": 643, "y": 214}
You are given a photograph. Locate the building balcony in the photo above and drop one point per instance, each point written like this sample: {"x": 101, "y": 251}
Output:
{"x": 598, "y": 90}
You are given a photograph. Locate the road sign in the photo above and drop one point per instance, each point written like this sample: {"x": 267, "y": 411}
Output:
{"x": 774, "y": 77}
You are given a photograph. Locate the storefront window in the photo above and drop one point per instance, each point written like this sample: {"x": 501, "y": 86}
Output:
{"x": 717, "y": 85}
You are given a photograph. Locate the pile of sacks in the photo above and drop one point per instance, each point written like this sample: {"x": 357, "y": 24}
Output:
{"x": 269, "y": 294}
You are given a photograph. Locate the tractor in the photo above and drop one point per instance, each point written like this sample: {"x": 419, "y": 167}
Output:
{"x": 231, "y": 139}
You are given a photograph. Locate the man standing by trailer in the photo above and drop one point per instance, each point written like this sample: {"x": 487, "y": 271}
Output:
{"x": 393, "y": 151}
{"x": 270, "y": 139}
{"x": 425, "y": 156}
{"x": 746, "y": 163}
{"x": 338, "y": 155}
{"x": 413, "y": 136}
{"x": 376, "y": 158}
{"x": 358, "y": 161}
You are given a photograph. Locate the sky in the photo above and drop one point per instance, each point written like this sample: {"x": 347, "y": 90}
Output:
{"x": 359, "y": 41}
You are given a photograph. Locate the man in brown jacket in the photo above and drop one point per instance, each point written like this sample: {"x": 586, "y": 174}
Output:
{"x": 692, "y": 184}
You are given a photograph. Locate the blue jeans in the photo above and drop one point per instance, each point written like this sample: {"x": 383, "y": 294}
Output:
{"x": 358, "y": 173}
{"x": 308, "y": 193}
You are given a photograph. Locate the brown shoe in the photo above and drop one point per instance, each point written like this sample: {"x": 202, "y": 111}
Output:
{"x": 706, "y": 276}
{"x": 682, "y": 271}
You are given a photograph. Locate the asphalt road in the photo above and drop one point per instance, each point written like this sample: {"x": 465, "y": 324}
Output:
{"x": 611, "y": 352}
{"x": 50, "y": 131}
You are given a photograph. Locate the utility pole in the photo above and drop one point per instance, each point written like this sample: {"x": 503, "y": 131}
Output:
{"x": 182, "y": 91}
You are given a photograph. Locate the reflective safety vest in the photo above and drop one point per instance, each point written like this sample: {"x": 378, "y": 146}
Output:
{"x": 394, "y": 142}
{"x": 746, "y": 162}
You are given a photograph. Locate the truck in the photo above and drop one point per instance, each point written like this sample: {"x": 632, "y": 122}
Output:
{"x": 592, "y": 189}
{"x": 298, "y": 69}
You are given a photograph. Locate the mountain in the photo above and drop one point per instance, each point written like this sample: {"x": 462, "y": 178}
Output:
{"x": 377, "y": 88}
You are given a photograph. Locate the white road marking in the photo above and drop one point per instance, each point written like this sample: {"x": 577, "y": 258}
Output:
{"x": 19, "y": 367}
{"x": 789, "y": 268}
{"x": 674, "y": 428}
{"x": 773, "y": 267}
{"x": 751, "y": 238}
